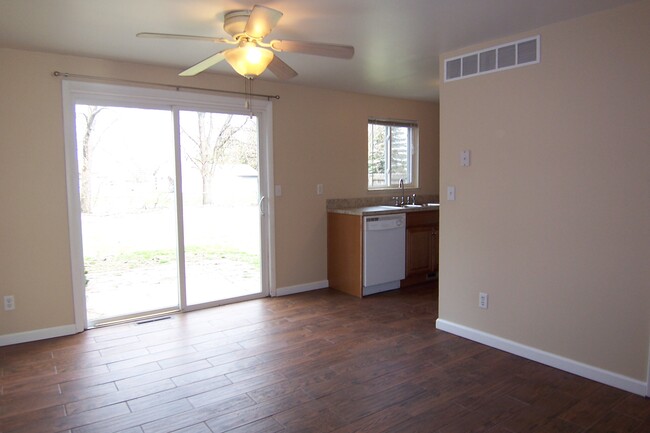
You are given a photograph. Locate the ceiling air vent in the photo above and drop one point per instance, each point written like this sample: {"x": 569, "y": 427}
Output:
{"x": 511, "y": 55}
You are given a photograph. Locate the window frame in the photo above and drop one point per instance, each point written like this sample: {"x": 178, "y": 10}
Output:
{"x": 411, "y": 179}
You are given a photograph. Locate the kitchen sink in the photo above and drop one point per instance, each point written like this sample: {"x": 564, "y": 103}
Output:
{"x": 391, "y": 207}
{"x": 411, "y": 206}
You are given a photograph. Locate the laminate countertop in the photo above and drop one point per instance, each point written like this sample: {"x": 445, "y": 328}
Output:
{"x": 385, "y": 210}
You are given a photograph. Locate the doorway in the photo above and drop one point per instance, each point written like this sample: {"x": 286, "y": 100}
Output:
{"x": 167, "y": 200}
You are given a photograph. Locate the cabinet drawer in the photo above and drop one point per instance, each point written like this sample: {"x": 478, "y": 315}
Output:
{"x": 416, "y": 219}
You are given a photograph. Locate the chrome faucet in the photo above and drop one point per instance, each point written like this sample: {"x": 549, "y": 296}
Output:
{"x": 401, "y": 185}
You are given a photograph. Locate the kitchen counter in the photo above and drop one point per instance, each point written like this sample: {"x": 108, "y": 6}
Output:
{"x": 384, "y": 209}
{"x": 345, "y": 241}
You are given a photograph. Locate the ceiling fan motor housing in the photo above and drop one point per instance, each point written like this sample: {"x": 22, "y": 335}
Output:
{"x": 234, "y": 22}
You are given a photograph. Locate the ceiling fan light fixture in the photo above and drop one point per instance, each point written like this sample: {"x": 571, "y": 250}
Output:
{"x": 252, "y": 56}
{"x": 248, "y": 59}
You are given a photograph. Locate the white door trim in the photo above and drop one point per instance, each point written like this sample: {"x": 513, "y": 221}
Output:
{"x": 74, "y": 208}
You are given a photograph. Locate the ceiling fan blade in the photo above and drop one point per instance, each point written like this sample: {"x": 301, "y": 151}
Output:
{"x": 186, "y": 37}
{"x": 203, "y": 65}
{"x": 281, "y": 69}
{"x": 314, "y": 48}
{"x": 261, "y": 21}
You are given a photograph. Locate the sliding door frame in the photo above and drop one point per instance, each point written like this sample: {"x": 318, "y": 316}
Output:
{"x": 82, "y": 92}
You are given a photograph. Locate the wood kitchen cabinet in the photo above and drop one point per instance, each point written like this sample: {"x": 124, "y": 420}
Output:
{"x": 422, "y": 230}
{"x": 345, "y": 250}
{"x": 344, "y": 253}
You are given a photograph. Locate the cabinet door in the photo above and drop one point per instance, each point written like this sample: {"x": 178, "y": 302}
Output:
{"x": 421, "y": 252}
{"x": 344, "y": 253}
{"x": 435, "y": 238}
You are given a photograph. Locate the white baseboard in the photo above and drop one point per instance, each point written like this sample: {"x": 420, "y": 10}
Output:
{"x": 647, "y": 390}
{"x": 283, "y": 291}
{"x": 38, "y": 334}
{"x": 588, "y": 371}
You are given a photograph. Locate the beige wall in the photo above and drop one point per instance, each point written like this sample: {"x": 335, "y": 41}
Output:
{"x": 320, "y": 136}
{"x": 552, "y": 219}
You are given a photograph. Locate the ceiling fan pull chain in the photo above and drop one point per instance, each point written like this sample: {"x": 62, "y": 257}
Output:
{"x": 247, "y": 102}
{"x": 248, "y": 95}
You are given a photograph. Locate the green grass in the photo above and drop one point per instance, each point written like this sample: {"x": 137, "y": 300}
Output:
{"x": 148, "y": 258}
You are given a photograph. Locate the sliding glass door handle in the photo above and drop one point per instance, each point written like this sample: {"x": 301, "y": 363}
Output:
{"x": 261, "y": 205}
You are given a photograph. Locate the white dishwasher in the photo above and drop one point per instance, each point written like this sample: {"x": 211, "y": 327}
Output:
{"x": 384, "y": 250}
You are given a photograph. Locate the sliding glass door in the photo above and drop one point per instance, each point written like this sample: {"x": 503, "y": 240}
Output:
{"x": 221, "y": 216}
{"x": 168, "y": 203}
{"x": 128, "y": 210}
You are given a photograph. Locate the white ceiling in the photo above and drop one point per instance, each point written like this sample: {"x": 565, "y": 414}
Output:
{"x": 397, "y": 43}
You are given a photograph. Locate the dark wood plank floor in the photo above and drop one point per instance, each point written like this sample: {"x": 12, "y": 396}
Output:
{"x": 312, "y": 362}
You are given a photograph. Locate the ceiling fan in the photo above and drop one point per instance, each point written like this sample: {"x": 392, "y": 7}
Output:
{"x": 252, "y": 55}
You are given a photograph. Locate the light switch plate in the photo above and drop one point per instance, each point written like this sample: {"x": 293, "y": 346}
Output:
{"x": 451, "y": 193}
{"x": 10, "y": 303}
{"x": 319, "y": 189}
{"x": 278, "y": 190}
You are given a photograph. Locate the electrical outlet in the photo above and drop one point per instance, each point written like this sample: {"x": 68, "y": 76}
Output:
{"x": 464, "y": 158}
{"x": 483, "y": 300}
{"x": 10, "y": 303}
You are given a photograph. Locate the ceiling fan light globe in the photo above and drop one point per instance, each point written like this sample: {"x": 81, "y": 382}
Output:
{"x": 249, "y": 60}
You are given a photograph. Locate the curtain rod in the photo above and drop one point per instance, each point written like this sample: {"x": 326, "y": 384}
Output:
{"x": 172, "y": 86}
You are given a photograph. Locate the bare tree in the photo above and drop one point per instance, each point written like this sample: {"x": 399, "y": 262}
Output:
{"x": 209, "y": 145}
{"x": 88, "y": 145}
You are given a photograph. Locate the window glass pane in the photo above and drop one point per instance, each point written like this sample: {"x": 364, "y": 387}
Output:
{"x": 220, "y": 177}
{"x": 399, "y": 155}
{"x": 128, "y": 210}
{"x": 377, "y": 137}
{"x": 392, "y": 153}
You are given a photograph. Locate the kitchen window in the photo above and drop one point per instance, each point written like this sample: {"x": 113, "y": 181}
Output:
{"x": 392, "y": 153}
